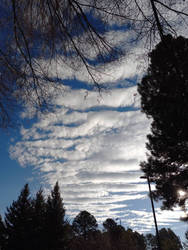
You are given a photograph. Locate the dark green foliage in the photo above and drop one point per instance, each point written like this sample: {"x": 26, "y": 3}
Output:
{"x": 84, "y": 223}
{"x": 36, "y": 224}
{"x": 95, "y": 241}
{"x": 164, "y": 98}
{"x": 139, "y": 240}
{"x": 133, "y": 240}
{"x": 114, "y": 230}
{"x": 3, "y": 234}
{"x": 168, "y": 239}
{"x": 55, "y": 224}
{"x": 110, "y": 225}
{"x": 39, "y": 224}
{"x": 119, "y": 238}
{"x": 39, "y": 215}
{"x": 18, "y": 221}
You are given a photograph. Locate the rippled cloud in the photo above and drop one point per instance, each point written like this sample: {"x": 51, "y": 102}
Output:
{"x": 93, "y": 149}
{"x": 92, "y": 143}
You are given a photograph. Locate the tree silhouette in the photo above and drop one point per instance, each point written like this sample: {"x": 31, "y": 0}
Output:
{"x": 164, "y": 96}
{"x": 84, "y": 223}
{"x": 169, "y": 240}
{"x": 35, "y": 223}
{"x": 115, "y": 233}
{"x": 55, "y": 223}
{"x": 3, "y": 234}
{"x": 18, "y": 222}
{"x": 119, "y": 238}
{"x": 39, "y": 224}
{"x": 36, "y": 35}
{"x": 38, "y": 221}
{"x": 186, "y": 242}
{"x": 109, "y": 224}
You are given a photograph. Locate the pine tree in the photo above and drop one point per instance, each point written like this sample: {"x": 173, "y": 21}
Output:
{"x": 114, "y": 231}
{"x": 55, "y": 223}
{"x": 164, "y": 95}
{"x": 84, "y": 224}
{"x": 38, "y": 234}
{"x": 3, "y": 235}
{"x": 168, "y": 239}
{"x": 18, "y": 221}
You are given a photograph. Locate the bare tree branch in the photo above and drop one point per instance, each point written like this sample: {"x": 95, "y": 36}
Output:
{"x": 171, "y": 9}
{"x": 52, "y": 32}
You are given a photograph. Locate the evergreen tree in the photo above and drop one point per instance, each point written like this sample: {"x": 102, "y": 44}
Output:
{"x": 140, "y": 241}
{"x": 84, "y": 224}
{"x": 132, "y": 240}
{"x": 120, "y": 239}
{"x": 38, "y": 234}
{"x": 113, "y": 228}
{"x": 164, "y": 95}
{"x": 55, "y": 224}
{"x": 109, "y": 225}
{"x": 115, "y": 233}
{"x": 3, "y": 234}
{"x": 168, "y": 239}
{"x": 18, "y": 221}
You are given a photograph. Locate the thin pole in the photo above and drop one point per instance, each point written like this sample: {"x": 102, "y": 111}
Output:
{"x": 153, "y": 210}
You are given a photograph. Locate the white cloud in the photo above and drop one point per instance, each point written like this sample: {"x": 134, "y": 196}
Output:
{"x": 82, "y": 99}
{"x": 93, "y": 149}
{"x": 92, "y": 144}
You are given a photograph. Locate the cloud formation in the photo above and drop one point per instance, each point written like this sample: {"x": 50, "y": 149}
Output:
{"x": 93, "y": 149}
{"x": 92, "y": 144}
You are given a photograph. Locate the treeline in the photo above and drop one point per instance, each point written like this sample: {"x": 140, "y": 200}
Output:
{"x": 40, "y": 224}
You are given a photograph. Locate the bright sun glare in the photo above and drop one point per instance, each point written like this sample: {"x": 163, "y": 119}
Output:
{"x": 181, "y": 192}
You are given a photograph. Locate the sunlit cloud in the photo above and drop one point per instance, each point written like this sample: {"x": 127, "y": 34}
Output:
{"x": 93, "y": 142}
{"x": 93, "y": 149}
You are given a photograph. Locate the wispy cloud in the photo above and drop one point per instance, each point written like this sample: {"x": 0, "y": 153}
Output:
{"x": 93, "y": 148}
{"x": 92, "y": 144}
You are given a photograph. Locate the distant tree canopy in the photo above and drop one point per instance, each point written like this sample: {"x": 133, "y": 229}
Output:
{"x": 38, "y": 37}
{"x": 84, "y": 223}
{"x": 39, "y": 223}
{"x": 3, "y": 234}
{"x": 109, "y": 224}
{"x": 168, "y": 239}
{"x": 124, "y": 239}
{"x": 55, "y": 223}
{"x": 113, "y": 228}
{"x": 164, "y": 98}
{"x": 35, "y": 223}
{"x": 18, "y": 221}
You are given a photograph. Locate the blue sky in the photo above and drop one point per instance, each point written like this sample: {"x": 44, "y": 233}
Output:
{"x": 93, "y": 147}
{"x": 91, "y": 144}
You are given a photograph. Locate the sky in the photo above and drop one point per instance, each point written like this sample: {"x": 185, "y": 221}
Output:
{"x": 92, "y": 144}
